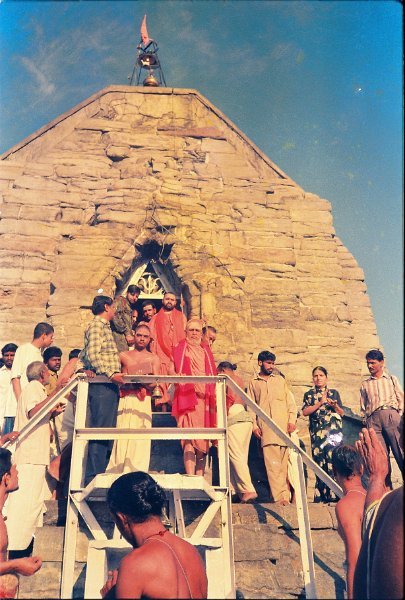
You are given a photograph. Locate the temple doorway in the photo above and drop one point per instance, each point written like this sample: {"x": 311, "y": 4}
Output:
{"x": 154, "y": 279}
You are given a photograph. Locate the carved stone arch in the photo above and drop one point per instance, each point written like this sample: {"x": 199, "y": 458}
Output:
{"x": 153, "y": 271}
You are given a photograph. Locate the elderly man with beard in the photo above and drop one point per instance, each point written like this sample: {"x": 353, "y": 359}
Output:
{"x": 194, "y": 405}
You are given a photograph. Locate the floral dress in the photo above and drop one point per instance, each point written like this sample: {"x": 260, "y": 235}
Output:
{"x": 322, "y": 423}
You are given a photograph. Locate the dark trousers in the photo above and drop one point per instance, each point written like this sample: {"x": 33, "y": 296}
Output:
{"x": 388, "y": 425}
{"x": 103, "y": 406}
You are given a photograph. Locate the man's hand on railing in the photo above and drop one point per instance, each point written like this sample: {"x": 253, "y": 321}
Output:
{"x": 291, "y": 427}
{"x": 117, "y": 378}
{"x": 9, "y": 437}
{"x": 59, "y": 408}
{"x": 257, "y": 432}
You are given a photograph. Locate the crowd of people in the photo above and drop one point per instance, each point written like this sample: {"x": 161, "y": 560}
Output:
{"x": 122, "y": 339}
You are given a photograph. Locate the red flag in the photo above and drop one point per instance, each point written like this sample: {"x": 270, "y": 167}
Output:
{"x": 144, "y": 32}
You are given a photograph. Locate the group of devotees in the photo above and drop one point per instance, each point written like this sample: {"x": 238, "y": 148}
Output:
{"x": 123, "y": 340}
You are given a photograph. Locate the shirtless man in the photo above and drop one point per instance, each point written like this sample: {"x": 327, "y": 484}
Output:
{"x": 161, "y": 565}
{"x": 9, "y": 569}
{"x": 348, "y": 469}
{"x": 135, "y": 409}
{"x": 380, "y": 566}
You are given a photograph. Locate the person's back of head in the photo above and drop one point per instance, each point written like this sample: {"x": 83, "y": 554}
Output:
{"x": 74, "y": 353}
{"x": 137, "y": 496}
{"x": 35, "y": 370}
{"x": 226, "y": 366}
{"x": 346, "y": 461}
{"x": 98, "y": 305}
{"x": 42, "y": 329}
{"x": 5, "y": 462}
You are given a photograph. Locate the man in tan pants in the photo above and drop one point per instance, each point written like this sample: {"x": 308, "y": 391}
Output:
{"x": 271, "y": 393}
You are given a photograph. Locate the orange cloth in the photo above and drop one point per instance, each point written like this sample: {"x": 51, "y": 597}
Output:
{"x": 194, "y": 405}
{"x": 167, "y": 330}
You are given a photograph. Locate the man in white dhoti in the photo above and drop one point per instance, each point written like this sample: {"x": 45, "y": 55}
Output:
{"x": 239, "y": 423}
{"x": 134, "y": 409}
{"x": 25, "y": 505}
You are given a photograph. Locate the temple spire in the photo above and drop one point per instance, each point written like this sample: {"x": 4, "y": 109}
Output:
{"x": 147, "y": 61}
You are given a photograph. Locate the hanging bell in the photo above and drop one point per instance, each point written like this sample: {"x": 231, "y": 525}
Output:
{"x": 157, "y": 393}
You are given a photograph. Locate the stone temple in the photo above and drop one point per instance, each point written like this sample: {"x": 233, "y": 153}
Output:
{"x": 157, "y": 186}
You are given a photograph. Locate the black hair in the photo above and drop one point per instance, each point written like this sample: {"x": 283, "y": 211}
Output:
{"x": 42, "y": 329}
{"x": 74, "y": 353}
{"x": 51, "y": 352}
{"x": 226, "y": 365}
{"x": 147, "y": 303}
{"x": 137, "y": 496}
{"x": 346, "y": 461}
{"x": 5, "y": 462}
{"x": 208, "y": 327}
{"x": 133, "y": 289}
{"x": 324, "y": 371}
{"x": 9, "y": 348}
{"x": 375, "y": 355}
{"x": 99, "y": 303}
{"x": 266, "y": 355}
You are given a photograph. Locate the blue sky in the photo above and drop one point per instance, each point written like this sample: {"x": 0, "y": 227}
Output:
{"x": 316, "y": 85}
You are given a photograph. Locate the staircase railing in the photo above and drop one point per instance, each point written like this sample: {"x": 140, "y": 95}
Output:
{"x": 300, "y": 457}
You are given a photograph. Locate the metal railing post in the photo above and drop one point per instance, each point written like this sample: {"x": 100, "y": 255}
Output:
{"x": 304, "y": 526}
{"x": 223, "y": 458}
{"x": 77, "y": 467}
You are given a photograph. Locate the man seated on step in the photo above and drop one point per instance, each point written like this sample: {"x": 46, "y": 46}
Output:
{"x": 348, "y": 469}
{"x": 25, "y": 505}
{"x": 10, "y": 569}
{"x": 161, "y": 565}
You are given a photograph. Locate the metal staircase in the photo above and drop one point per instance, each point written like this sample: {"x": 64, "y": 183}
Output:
{"x": 217, "y": 551}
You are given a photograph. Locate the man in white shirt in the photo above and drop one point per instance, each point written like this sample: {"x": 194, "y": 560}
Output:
{"x": 8, "y": 404}
{"x": 28, "y": 353}
{"x": 32, "y": 458}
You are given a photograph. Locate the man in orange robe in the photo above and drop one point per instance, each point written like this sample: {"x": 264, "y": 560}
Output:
{"x": 167, "y": 329}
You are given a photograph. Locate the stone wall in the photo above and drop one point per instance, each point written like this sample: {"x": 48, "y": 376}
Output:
{"x": 162, "y": 174}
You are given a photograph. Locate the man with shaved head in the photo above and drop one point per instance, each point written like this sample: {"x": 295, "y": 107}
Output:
{"x": 135, "y": 406}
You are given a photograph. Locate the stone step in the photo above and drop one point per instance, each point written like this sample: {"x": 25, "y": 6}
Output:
{"x": 267, "y": 550}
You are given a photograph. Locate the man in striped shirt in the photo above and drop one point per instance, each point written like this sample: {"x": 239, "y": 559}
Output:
{"x": 382, "y": 406}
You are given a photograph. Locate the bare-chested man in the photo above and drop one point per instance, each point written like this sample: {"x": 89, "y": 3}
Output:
{"x": 10, "y": 569}
{"x": 161, "y": 565}
{"x": 135, "y": 409}
{"x": 380, "y": 566}
{"x": 348, "y": 469}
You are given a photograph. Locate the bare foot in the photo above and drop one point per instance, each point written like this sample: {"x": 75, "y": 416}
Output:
{"x": 248, "y": 497}
{"x": 283, "y": 502}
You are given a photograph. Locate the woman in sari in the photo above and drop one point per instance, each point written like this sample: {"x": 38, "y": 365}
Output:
{"x": 324, "y": 408}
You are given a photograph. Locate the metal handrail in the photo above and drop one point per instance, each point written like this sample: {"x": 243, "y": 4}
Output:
{"x": 43, "y": 412}
{"x": 331, "y": 483}
{"x": 175, "y": 379}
